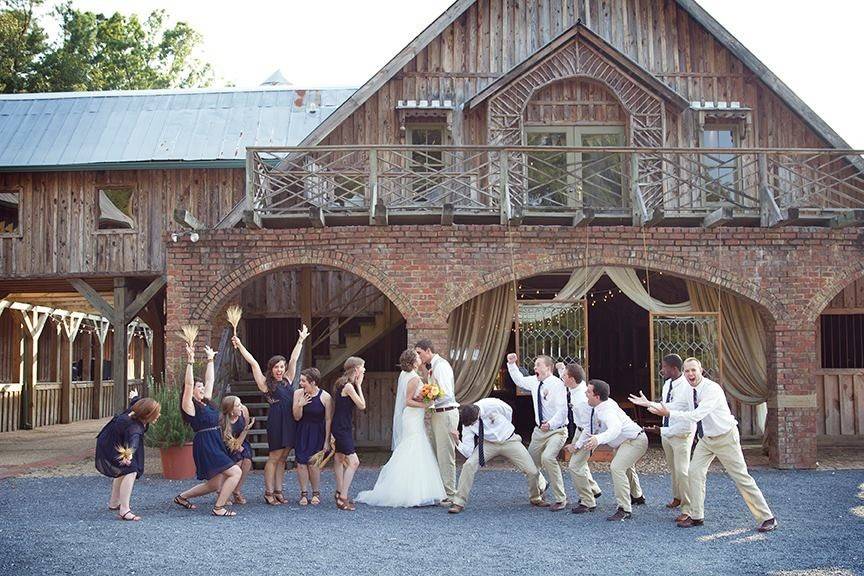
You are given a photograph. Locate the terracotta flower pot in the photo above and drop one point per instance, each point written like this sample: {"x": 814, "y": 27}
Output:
{"x": 177, "y": 462}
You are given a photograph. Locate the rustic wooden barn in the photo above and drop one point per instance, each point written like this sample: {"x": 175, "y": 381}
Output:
{"x": 493, "y": 151}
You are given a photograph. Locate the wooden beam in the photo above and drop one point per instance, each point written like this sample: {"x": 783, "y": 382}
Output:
{"x": 101, "y": 332}
{"x": 252, "y": 219}
{"x": 34, "y": 323}
{"x": 185, "y": 218}
{"x": 584, "y": 217}
{"x": 70, "y": 327}
{"x": 92, "y": 297}
{"x": 719, "y": 217}
{"x": 306, "y": 309}
{"x": 119, "y": 356}
{"x": 640, "y": 210}
{"x": 657, "y": 217}
{"x": 233, "y": 217}
{"x": 848, "y": 218}
{"x": 447, "y": 214}
{"x": 316, "y": 216}
{"x": 381, "y": 218}
{"x": 144, "y": 297}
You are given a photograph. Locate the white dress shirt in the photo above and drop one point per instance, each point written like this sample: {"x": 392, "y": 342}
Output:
{"x": 612, "y": 426}
{"x": 713, "y": 410}
{"x": 497, "y": 418}
{"x": 579, "y": 405}
{"x": 553, "y": 396}
{"x": 442, "y": 374}
{"x": 681, "y": 399}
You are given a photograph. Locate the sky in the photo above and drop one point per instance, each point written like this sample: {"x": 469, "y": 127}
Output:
{"x": 342, "y": 43}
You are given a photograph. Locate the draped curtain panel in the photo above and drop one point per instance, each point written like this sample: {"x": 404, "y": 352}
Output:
{"x": 479, "y": 333}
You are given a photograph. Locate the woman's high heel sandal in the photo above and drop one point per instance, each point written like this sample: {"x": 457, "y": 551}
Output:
{"x": 316, "y": 497}
{"x": 238, "y": 498}
{"x": 304, "y": 500}
{"x": 278, "y": 495}
{"x": 270, "y": 499}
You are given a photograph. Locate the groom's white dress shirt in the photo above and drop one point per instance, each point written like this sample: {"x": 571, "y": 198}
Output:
{"x": 442, "y": 374}
{"x": 497, "y": 418}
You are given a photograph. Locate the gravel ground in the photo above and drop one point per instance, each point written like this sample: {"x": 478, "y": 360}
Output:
{"x": 61, "y": 526}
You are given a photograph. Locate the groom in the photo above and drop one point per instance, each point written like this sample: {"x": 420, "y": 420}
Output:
{"x": 445, "y": 416}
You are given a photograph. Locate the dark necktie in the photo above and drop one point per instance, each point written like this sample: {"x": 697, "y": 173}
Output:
{"x": 571, "y": 424}
{"x": 539, "y": 404}
{"x": 478, "y": 442}
{"x": 668, "y": 399}
{"x": 699, "y": 431}
{"x": 591, "y": 430}
{"x": 428, "y": 366}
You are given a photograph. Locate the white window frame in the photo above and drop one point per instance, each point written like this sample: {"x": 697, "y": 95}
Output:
{"x": 736, "y": 143}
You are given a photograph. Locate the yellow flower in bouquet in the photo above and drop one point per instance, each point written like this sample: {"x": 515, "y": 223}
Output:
{"x": 431, "y": 392}
{"x": 124, "y": 453}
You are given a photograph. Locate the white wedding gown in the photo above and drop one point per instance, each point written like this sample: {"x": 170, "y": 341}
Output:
{"x": 411, "y": 476}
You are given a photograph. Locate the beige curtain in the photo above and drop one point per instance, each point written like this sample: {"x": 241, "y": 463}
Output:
{"x": 479, "y": 331}
{"x": 582, "y": 279}
{"x": 745, "y": 371}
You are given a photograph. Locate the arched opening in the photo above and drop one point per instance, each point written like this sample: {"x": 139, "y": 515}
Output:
{"x": 346, "y": 316}
{"x": 839, "y": 374}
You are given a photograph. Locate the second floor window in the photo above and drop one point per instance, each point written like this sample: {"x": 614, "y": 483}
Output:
{"x": 720, "y": 170}
{"x": 115, "y": 209}
{"x": 427, "y": 162}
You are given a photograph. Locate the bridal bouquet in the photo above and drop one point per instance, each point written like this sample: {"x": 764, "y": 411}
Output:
{"x": 431, "y": 392}
{"x": 124, "y": 453}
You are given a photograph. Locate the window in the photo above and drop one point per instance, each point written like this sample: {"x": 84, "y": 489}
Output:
{"x": 10, "y": 212}
{"x": 426, "y": 164}
{"x": 720, "y": 171}
{"x": 842, "y": 344}
{"x": 115, "y": 209}
{"x": 573, "y": 178}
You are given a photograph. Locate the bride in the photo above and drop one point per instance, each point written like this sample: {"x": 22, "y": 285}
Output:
{"x": 410, "y": 477}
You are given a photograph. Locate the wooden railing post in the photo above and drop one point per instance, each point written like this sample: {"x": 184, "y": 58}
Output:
{"x": 637, "y": 202}
{"x": 120, "y": 345}
{"x": 69, "y": 331}
{"x": 101, "y": 331}
{"x": 769, "y": 212}
{"x": 250, "y": 179}
{"x": 504, "y": 184}
{"x": 373, "y": 184}
{"x": 33, "y": 322}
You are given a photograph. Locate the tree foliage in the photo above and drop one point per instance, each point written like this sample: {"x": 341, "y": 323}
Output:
{"x": 95, "y": 51}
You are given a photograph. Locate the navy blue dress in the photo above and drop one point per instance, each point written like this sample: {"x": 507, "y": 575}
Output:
{"x": 343, "y": 425}
{"x": 122, "y": 430}
{"x": 246, "y": 451}
{"x": 310, "y": 430}
{"x": 208, "y": 450}
{"x": 281, "y": 427}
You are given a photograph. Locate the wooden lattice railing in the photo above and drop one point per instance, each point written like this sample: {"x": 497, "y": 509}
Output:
{"x": 645, "y": 186}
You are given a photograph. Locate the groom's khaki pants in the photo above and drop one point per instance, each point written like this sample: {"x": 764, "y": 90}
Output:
{"x": 677, "y": 450}
{"x": 511, "y": 449}
{"x": 544, "y": 449}
{"x": 726, "y": 448}
{"x": 442, "y": 423}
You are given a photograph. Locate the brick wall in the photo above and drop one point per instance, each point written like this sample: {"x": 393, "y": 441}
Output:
{"x": 427, "y": 271}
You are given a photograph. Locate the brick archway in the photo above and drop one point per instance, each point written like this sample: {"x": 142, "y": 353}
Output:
{"x": 215, "y": 298}
{"x": 824, "y": 296}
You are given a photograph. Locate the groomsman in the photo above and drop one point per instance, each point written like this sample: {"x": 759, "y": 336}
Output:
{"x": 578, "y": 412}
{"x": 445, "y": 416}
{"x": 488, "y": 432}
{"x": 608, "y": 424}
{"x": 549, "y": 397}
{"x": 676, "y": 434}
{"x": 717, "y": 434}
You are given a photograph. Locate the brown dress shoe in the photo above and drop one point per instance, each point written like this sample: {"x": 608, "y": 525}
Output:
{"x": 455, "y": 509}
{"x": 582, "y": 509}
{"x": 768, "y": 525}
{"x": 619, "y": 515}
{"x": 674, "y": 503}
{"x": 638, "y": 501}
{"x": 540, "y": 503}
{"x": 681, "y": 517}
{"x": 688, "y": 522}
{"x": 558, "y": 506}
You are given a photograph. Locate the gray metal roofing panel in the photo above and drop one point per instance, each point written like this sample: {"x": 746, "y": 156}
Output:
{"x": 46, "y": 131}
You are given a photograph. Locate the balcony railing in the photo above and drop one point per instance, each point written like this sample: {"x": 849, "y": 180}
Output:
{"x": 395, "y": 184}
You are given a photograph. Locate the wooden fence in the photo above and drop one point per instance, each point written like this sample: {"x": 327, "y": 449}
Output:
{"x": 374, "y": 426}
{"x": 841, "y": 403}
{"x": 48, "y": 403}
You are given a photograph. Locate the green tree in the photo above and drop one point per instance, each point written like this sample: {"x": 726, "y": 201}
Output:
{"x": 97, "y": 51}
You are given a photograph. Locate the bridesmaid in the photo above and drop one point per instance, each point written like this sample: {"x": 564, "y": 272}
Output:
{"x": 278, "y": 389}
{"x": 125, "y": 431}
{"x": 213, "y": 463}
{"x": 313, "y": 410}
{"x": 348, "y": 394}
{"x": 235, "y": 424}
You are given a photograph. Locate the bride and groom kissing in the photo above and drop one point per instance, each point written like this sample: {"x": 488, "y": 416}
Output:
{"x": 423, "y": 473}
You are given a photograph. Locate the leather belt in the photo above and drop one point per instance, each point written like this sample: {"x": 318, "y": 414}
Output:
{"x": 207, "y": 429}
{"x": 445, "y": 409}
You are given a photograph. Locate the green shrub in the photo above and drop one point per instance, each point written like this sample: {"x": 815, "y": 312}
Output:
{"x": 170, "y": 430}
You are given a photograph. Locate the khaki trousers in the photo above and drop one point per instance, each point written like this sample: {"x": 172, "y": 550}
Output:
{"x": 677, "y": 451}
{"x": 727, "y": 449}
{"x": 623, "y": 471}
{"x": 511, "y": 449}
{"x": 544, "y": 449}
{"x": 582, "y": 479}
{"x": 444, "y": 445}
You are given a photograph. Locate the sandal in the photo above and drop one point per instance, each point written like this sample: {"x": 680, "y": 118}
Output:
{"x": 304, "y": 501}
{"x": 279, "y": 497}
{"x": 224, "y": 511}
{"x": 129, "y": 516}
{"x": 180, "y": 501}
{"x": 114, "y": 508}
{"x": 238, "y": 498}
{"x": 336, "y": 496}
{"x": 344, "y": 504}
{"x": 316, "y": 500}
{"x": 271, "y": 499}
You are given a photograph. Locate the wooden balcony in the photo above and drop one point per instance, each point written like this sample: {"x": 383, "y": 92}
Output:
{"x": 379, "y": 185}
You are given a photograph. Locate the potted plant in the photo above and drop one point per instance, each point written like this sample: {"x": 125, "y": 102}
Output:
{"x": 171, "y": 435}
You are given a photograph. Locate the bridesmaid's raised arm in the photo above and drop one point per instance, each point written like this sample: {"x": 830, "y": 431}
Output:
{"x": 257, "y": 375}
{"x": 209, "y": 373}
{"x": 188, "y": 383}
{"x": 302, "y": 334}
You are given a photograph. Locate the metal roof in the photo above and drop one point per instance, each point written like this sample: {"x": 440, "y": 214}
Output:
{"x": 86, "y": 129}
